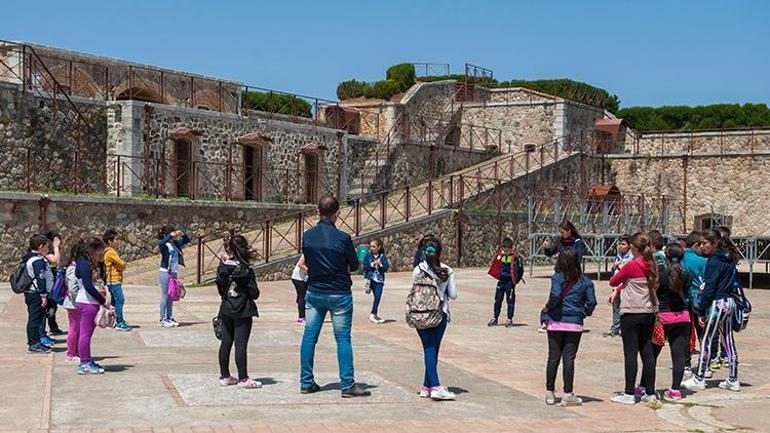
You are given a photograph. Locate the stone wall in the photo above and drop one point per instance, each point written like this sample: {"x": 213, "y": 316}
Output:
{"x": 214, "y": 139}
{"x": 63, "y": 154}
{"x": 480, "y": 240}
{"x": 137, "y": 220}
{"x": 580, "y": 120}
{"x": 406, "y": 164}
{"x": 734, "y": 186}
{"x": 717, "y": 142}
{"x": 520, "y": 123}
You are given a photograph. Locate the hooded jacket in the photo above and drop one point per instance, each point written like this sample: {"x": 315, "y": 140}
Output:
{"x": 719, "y": 279}
{"x": 241, "y": 280}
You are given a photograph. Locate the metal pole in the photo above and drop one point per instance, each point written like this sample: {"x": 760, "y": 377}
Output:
{"x": 199, "y": 261}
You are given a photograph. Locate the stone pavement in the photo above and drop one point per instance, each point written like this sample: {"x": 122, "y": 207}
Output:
{"x": 164, "y": 380}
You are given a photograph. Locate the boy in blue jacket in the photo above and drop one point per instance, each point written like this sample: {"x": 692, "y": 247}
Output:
{"x": 508, "y": 269}
{"x": 36, "y": 296}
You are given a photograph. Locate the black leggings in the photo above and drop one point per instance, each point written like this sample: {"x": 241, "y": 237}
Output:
{"x": 678, "y": 336}
{"x": 301, "y": 288}
{"x": 636, "y": 331}
{"x": 234, "y": 331}
{"x": 565, "y": 345}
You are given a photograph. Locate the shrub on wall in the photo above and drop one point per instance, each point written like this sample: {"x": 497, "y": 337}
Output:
{"x": 399, "y": 78}
{"x": 714, "y": 116}
{"x": 280, "y": 103}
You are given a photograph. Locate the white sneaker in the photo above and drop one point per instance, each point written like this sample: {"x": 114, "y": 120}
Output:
{"x": 649, "y": 398}
{"x": 424, "y": 392}
{"x": 623, "y": 398}
{"x": 570, "y": 400}
{"x": 373, "y": 318}
{"x": 173, "y": 322}
{"x": 550, "y": 398}
{"x": 687, "y": 372}
{"x": 168, "y": 324}
{"x": 441, "y": 393}
{"x": 730, "y": 385}
{"x": 380, "y": 320}
{"x": 694, "y": 384}
{"x": 708, "y": 374}
{"x": 72, "y": 359}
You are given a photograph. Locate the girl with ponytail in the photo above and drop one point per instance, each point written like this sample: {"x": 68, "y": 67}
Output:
{"x": 674, "y": 314}
{"x": 444, "y": 278}
{"x": 636, "y": 284}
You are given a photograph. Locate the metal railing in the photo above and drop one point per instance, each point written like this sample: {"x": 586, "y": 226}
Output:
{"x": 431, "y": 69}
{"x": 278, "y": 238}
{"x": 712, "y": 141}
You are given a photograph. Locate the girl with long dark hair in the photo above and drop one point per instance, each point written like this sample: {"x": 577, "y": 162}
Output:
{"x": 569, "y": 238}
{"x": 237, "y": 286}
{"x": 636, "y": 284}
{"x": 571, "y": 300}
{"x": 431, "y": 337}
{"x": 717, "y": 306}
{"x": 170, "y": 244}
{"x": 90, "y": 297}
{"x": 375, "y": 266}
{"x": 674, "y": 315}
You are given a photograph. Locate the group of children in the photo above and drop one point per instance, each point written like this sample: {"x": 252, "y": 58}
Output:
{"x": 79, "y": 283}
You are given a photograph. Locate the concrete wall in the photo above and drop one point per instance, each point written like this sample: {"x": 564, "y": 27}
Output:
{"x": 699, "y": 142}
{"x": 137, "y": 220}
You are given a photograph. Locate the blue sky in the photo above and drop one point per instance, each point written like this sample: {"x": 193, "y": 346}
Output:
{"x": 647, "y": 52}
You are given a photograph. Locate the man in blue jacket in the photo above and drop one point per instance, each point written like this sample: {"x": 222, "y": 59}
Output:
{"x": 36, "y": 297}
{"x": 330, "y": 258}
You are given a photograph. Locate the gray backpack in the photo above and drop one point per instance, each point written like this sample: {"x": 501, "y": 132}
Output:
{"x": 423, "y": 304}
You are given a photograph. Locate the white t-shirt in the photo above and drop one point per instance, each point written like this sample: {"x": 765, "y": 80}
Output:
{"x": 298, "y": 274}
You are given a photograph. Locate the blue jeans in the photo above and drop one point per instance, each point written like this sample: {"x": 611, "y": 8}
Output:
{"x": 341, "y": 309}
{"x": 431, "y": 342}
{"x": 117, "y": 300}
{"x": 166, "y": 305}
{"x": 615, "y": 327}
{"x": 377, "y": 291}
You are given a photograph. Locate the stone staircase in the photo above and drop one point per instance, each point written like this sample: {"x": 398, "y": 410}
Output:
{"x": 370, "y": 213}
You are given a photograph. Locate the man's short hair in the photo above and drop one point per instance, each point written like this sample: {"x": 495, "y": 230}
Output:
{"x": 693, "y": 238}
{"x": 328, "y": 206}
{"x": 656, "y": 239}
{"x": 507, "y": 243}
{"x": 37, "y": 241}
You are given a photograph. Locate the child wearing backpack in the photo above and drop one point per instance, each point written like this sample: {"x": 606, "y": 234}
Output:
{"x": 375, "y": 266}
{"x": 54, "y": 261}
{"x": 33, "y": 278}
{"x": 508, "y": 269}
{"x": 114, "y": 267}
{"x": 431, "y": 307}
{"x": 73, "y": 287}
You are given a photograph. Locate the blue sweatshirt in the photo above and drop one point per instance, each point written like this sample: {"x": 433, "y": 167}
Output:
{"x": 84, "y": 274}
{"x": 695, "y": 265}
{"x": 40, "y": 272}
{"x": 719, "y": 278}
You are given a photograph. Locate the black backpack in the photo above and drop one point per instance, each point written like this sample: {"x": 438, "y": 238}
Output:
{"x": 20, "y": 280}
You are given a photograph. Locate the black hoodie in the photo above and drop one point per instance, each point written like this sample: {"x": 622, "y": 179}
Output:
{"x": 244, "y": 283}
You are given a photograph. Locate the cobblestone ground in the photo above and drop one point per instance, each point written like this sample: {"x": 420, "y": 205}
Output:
{"x": 164, "y": 380}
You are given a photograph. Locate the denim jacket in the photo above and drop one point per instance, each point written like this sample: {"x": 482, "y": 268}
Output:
{"x": 164, "y": 250}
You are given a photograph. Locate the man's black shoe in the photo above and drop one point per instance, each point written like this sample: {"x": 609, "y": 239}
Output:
{"x": 355, "y": 391}
{"x": 311, "y": 389}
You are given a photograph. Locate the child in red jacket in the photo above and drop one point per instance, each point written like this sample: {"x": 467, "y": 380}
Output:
{"x": 508, "y": 269}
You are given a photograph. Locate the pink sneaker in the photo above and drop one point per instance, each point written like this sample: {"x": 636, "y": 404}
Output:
{"x": 673, "y": 394}
{"x": 228, "y": 381}
{"x": 301, "y": 321}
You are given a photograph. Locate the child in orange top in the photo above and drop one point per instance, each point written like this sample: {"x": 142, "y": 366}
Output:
{"x": 114, "y": 266}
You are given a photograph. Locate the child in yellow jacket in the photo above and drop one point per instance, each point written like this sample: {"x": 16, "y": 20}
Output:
{"x": 114, "y": 267}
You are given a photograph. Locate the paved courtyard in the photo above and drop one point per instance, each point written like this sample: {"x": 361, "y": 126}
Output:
{"x": 164, "y": 380}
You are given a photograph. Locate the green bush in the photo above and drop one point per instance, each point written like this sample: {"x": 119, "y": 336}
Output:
{"x": 403, "y": 74}
{"x": 281, "y": 103}
{"x": 572, "y": 90}
{"x": 716, "y": 116}
{"x": 385, "y": 89}
{"x": 350, "y": 89}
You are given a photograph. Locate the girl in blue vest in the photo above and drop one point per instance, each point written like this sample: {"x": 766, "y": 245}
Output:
{"x": 170, "y": 243}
